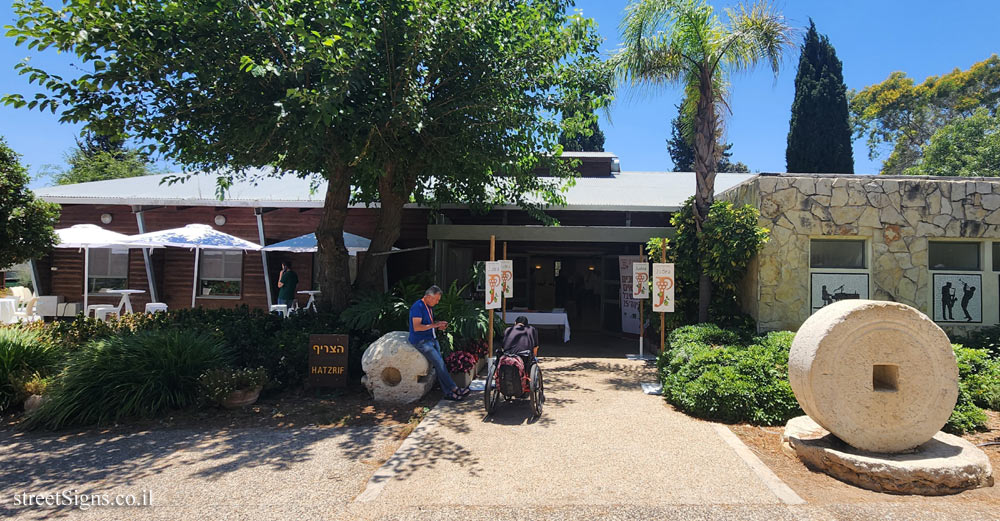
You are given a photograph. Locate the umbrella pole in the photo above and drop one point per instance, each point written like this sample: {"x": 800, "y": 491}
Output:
{"x": 194, "y": 285}
{"x": 86, "y": 278}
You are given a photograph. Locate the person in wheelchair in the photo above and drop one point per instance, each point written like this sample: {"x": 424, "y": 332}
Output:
{"x": 521, "y": 340}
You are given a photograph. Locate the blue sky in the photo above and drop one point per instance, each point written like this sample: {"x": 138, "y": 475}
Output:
{"x": 872, "y": 38}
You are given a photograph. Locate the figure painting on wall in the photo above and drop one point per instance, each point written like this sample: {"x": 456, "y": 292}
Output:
{"x": 845, "y": 286}
{"x": 961, "y": 289}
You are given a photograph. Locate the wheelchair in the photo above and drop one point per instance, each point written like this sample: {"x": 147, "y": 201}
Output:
{"x": 514, "y": 377}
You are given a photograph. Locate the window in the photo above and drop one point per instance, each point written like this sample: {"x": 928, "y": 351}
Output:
{"x": 221, "y": 273}
{"x": 17, "y": 275}
{"x": 108, "y": 269}
{"x": 962, "y": 256}
{"x": 837, "y": 254}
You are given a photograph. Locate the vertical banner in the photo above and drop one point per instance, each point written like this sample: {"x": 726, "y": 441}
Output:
{"x": 663, "y": 287}
{"x": 493, "y": 284}
{"x": 629, "y": 305}
{"x": 640, "y": 280}
{"x": 507, "y": 278}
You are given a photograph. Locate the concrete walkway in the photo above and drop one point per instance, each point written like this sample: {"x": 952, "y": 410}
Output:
{"x": 600, "y": 441}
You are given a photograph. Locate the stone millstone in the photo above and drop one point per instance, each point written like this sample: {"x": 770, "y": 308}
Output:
{"x": 395, "y": 371}
{"x": 881, "y": 376}
{"x": 944, "y": 465}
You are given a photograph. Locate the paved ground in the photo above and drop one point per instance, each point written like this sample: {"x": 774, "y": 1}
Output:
{"x": 602, "y": 450}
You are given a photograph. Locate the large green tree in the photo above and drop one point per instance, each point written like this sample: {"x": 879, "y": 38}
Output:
{"x": 901, "y": 116}
{"x": 388, "y": 101}
{"x": 683, "y": 42}
{"x": 819, "y": 132}
{"x": 967, "y": 147}
{"x": 589, "y": 140}
{"x": 97, "y": 158}
{"x": 27, "y": 231}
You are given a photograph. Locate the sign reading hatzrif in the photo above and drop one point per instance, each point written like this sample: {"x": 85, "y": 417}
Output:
{"x": 328, "y": 360}
{"x": 663, "y": 287}
{"x": 507, "y": 278}
{"x": 494, "y": 288}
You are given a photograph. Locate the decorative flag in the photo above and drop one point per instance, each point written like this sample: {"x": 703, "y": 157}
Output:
{"x": 507, "y": 278}
{"x": 640, "y": 280}
{"x": 493, "y": 284}
{"x": 663, "y": 287}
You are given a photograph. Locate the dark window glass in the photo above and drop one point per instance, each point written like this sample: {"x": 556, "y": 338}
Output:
{"x": 996, "y": 256}
{"x": 824, "y": 253}
{"x": 953, "y": 256}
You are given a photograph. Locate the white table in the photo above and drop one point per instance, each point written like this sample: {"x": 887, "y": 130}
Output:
{"x": 311, "y": 303}
{"x": 8, "y": 306}
{"x": 535, "y": 318}
{"x": 125, "y": 301}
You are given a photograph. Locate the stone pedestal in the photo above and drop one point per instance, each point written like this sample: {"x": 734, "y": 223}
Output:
{"x": 943, "y": 465}
{"x": 395, "y": 371}
{"x": 881, "y": 376}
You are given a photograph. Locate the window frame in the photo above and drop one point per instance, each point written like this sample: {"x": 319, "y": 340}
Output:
{"x": 202, "y": 278}
{"x": 866, "y": 245}
{"x": 980, "y": 255}
{"x": 90, "y": 269}
{"x": 865, "y": 257}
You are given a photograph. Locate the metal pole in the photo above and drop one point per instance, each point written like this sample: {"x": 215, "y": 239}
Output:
{"x": 263, "y": 256}
{"x": 194, "y": 284}
{"x": 35, "y": 276}
{"x": 493, "y": 257}
{"x": 86, "y": 276}
{"x": 150, "y": 278}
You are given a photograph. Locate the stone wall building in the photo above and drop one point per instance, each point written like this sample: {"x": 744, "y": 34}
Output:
{"x": 930, "y": 242}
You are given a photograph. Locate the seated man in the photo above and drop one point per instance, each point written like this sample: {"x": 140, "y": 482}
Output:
{"x": 521, "y": 340}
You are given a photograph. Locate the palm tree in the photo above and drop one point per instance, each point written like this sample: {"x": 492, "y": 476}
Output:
{"x": 683, "y": 42}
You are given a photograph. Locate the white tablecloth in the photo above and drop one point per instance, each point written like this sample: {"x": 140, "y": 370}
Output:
{"x": 542, "y": 319}
{"x": 7, "y": 308}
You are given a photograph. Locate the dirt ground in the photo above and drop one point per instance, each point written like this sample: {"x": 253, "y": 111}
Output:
{"x": 819, "y": 488}
{"x": 351, "y": 406}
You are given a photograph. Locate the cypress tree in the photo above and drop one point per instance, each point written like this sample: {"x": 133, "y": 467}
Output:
{"x": 819, "y": 133}
{"x": 582, "y": 143}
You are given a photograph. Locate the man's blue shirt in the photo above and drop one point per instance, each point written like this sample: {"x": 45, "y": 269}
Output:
{"x": 421, "y": 311}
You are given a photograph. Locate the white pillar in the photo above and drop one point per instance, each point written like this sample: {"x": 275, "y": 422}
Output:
{"x": 194, "y": 284}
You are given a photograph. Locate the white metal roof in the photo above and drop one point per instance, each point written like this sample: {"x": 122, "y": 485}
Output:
{"x": 624, "y": 191}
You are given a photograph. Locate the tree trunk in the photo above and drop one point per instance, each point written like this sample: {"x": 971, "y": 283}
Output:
{"x": 392, "y": 197}
{"x": 334, "y": 274}
{"x": 706, "y": 157}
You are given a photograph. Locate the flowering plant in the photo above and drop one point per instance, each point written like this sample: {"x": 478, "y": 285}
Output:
{"x": 477, "y": 347}
{"x": 460, "y": 362}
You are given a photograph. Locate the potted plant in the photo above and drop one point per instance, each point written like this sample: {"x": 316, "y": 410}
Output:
{"x": 461, "y": 364}
{"x": 233, "y": 388}
{"x": 478, "y": 348}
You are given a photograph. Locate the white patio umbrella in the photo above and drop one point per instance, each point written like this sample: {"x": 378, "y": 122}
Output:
{"x": 196, "y": 237}
{"x": 86, "y": 236}
{"x": 307, "y": 244}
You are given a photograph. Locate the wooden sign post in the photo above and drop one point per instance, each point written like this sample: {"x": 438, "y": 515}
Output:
{"x": 663, "y": 258}
{"x": 328, "y": 360}
{"x": 493, "y": 257}
{"x": 505, "y": 282}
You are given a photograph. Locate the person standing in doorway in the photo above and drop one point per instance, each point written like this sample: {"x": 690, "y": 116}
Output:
{"x": 287, "y": 281}
{"x": 423, "y": 336}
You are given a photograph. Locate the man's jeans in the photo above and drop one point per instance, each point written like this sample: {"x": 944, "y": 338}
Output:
{"x": 431, "y": 350}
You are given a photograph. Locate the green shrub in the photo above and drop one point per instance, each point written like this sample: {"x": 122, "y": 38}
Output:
{"x": 23, "y": 353}
{"x": 717, "y": 374}
{"x": 217, "y": 384}
{"x": 987, "y": 338}
{"x": 978, "y": 387}
{"x": 138, "y": 375}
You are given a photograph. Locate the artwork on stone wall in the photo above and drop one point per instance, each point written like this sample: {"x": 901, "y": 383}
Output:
{"x": 828, "y": 288}
{"x": 958, "y": 298}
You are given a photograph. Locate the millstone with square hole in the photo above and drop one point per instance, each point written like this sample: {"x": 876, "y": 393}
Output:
{"x": 395, "y": 371}
{"x": 881, "y": 376}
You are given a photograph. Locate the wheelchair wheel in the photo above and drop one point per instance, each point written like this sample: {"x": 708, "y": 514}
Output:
{"x": 537, "y": 390}
{"x": 490, "y": 391}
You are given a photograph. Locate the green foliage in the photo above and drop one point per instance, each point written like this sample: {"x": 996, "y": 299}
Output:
{"x": 23, "y": 354}
{"x": 819, "y": 133}
{"x": 718, "y": 374}
{"x": 978, "y": 388}
{"x": 987, "y": 338}
{"x": 102, "y": 165}
{"x": 966, "y": 146}
{"x": 588, "y": 139}
{"x": 140, "y": 375}
{"x": 904, "y": 116}
{"x": 27, "y": 231}
{"x": 730, "y": 238}
{"x": 217, "y": 384}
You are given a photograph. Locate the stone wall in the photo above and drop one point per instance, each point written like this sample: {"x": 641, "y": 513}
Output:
{"x": 895, "y": 215}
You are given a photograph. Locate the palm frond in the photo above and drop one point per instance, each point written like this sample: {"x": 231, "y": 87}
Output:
{"x": 756, "y": 32}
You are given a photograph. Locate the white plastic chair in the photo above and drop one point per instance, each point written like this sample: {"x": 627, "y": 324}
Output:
{"x": 281, "y": 309}
{"x": 28, "y": 313}
{"x": 103, "y": 312}
{"x": 156, "y": 307}
{"x": 94, "y": 307}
